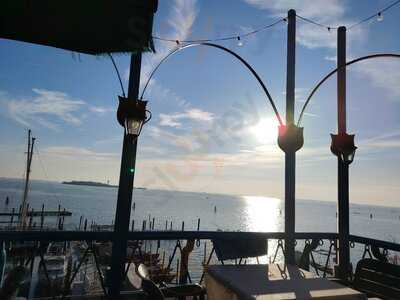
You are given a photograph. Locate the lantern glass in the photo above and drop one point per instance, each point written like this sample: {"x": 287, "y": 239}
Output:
{"x": 133, "y": 126}
{"x": 348, "y": 157}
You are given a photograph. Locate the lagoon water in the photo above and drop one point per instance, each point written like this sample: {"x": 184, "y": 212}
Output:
{"x": 233, "y": 213}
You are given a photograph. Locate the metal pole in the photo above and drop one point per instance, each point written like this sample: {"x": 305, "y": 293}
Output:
{"x": 343, "y": 168}
{"x": 290, "y": 156}
{"x": 24, "y": 210}
{"x": 125, "y": 190}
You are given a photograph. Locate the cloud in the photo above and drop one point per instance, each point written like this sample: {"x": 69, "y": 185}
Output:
{"x": 44, "y": 104}
{"x": 178, "y": 25}
{"x": 186, "y": 143}
{"x": 384, "y": 73}
{"x": 78, "y": 153}
{"x": 101, "y": 110}
{"x": 194, "y": 114}
{"x": 387, "y": 141}
{"x": 307, "y": 8}
{"x": 49, "y": 108}
{"x": 308, "y": 34}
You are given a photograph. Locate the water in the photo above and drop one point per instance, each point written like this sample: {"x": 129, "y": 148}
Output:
{"x": 233, "y": 213}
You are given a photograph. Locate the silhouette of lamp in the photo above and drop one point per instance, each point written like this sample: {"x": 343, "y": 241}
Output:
{"x": 343, "y": 147}
{"x": 290, "y": 138}
{"x": 132, "y": 116}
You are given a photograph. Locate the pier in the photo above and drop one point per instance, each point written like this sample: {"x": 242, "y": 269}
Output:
{"x": 47, "y": 213}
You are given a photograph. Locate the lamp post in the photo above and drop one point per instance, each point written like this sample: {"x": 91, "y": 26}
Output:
{"x": 290, "y": 140}
{"x": 131, "y": 115}
{"x": 343, "y": 147}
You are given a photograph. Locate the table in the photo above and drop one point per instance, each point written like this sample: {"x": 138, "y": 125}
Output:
{"x": 272, "y": 282}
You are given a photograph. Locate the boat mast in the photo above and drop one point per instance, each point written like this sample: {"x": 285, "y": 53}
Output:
{"x": 22, "y": 216}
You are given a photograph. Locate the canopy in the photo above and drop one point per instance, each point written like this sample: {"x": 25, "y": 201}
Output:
{"x": 85, "y": 26}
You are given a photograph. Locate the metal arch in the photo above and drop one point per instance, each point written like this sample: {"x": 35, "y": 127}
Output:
{"x": 271, "y": 101}
{"x": 379, "y": 55}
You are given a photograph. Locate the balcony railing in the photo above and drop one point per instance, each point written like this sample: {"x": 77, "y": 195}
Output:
{"x": 90, "y": 263}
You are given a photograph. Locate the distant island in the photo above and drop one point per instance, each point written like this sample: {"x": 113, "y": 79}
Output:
{"x": 89, "y": 183}
{"x": 96, "y": 184}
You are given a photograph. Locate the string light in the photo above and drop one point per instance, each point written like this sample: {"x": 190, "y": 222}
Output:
{"x": 239, "y": 37}
{"x": 240, "y": 43}
{"x": 378, "y": 15}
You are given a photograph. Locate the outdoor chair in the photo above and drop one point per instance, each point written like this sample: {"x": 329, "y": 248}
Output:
{"x": 377, "y": 279}
{"x": 166, "y": 291}
{"x": 234, "y": 249}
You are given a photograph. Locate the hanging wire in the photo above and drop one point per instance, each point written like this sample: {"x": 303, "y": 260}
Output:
{"x": 117, "y": 71}
{"x": 45, "y": 173}
{"x": 379, "y": 13}
{"x": 239, "y": 36}
{"x": 375, "y": 15}
{"x": 316, "y": 23}
{"x": 231, "y": 37}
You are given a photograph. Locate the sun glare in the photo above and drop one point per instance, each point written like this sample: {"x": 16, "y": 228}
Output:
{"x": 265, "y": 131}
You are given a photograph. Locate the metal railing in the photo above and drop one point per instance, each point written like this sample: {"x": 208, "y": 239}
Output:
{"x": 317, "y": 251}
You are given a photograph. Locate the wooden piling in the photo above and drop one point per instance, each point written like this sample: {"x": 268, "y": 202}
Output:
{"x": 42, "y": 217}
{"x": 80, "y": 222}
{"x": 205, "y": 253}
{"x": 12, "y": 217}
{"x": 133, "y": 225}
{"x": 31, "y": 218}
{"x": 177, "y": 270}
{"x": 144, "y": 225}
{"x": 163, "y": 260}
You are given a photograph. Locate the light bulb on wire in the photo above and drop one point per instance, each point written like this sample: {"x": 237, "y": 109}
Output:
{"x": 379, "y": 17}
{"x": 240, "y": 43}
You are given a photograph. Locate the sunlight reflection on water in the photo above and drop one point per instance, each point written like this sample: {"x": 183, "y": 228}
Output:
{"x": 263, "y": 214}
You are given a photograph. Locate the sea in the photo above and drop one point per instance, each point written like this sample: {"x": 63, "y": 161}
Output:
{"x": 215, "y": 211}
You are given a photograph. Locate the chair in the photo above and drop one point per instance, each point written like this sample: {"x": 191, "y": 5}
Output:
{"x": 160, "y": 293}
{"x": 377, "y": 279}
{"x": 240, "y": 248}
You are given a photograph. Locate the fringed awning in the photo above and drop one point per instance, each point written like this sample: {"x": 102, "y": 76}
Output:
{"x": 85, "y": 26}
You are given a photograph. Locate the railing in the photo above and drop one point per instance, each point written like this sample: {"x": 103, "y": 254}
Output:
{"x": 184, "y": 254}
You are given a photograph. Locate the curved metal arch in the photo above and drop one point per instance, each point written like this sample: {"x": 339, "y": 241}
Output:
{"x": 380, "y": 55}
{"x": 271, "y": 101}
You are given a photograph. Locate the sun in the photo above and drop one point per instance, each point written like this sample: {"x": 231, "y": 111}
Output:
{"x": 265, "y": 131}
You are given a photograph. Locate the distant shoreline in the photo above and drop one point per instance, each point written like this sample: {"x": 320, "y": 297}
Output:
{"x": 95, "y": 184}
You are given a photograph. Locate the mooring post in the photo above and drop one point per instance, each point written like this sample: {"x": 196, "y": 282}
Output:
{"x": 290, "y": 156}
{"x": 12, "y": 217}
{"x": 125, "y": 189}
{"x": 42, "y": 217}
{"x": 343, "y": 168}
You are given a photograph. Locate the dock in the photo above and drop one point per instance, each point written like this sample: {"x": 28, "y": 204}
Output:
{"x": 47, "y": 213}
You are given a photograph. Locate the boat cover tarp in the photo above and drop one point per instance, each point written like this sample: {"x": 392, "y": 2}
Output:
{"x": 85, "y": 26}
{"x": 240, "y": 248}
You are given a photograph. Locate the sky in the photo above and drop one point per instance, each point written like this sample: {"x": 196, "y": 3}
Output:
{"x": 212, "y": 128}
